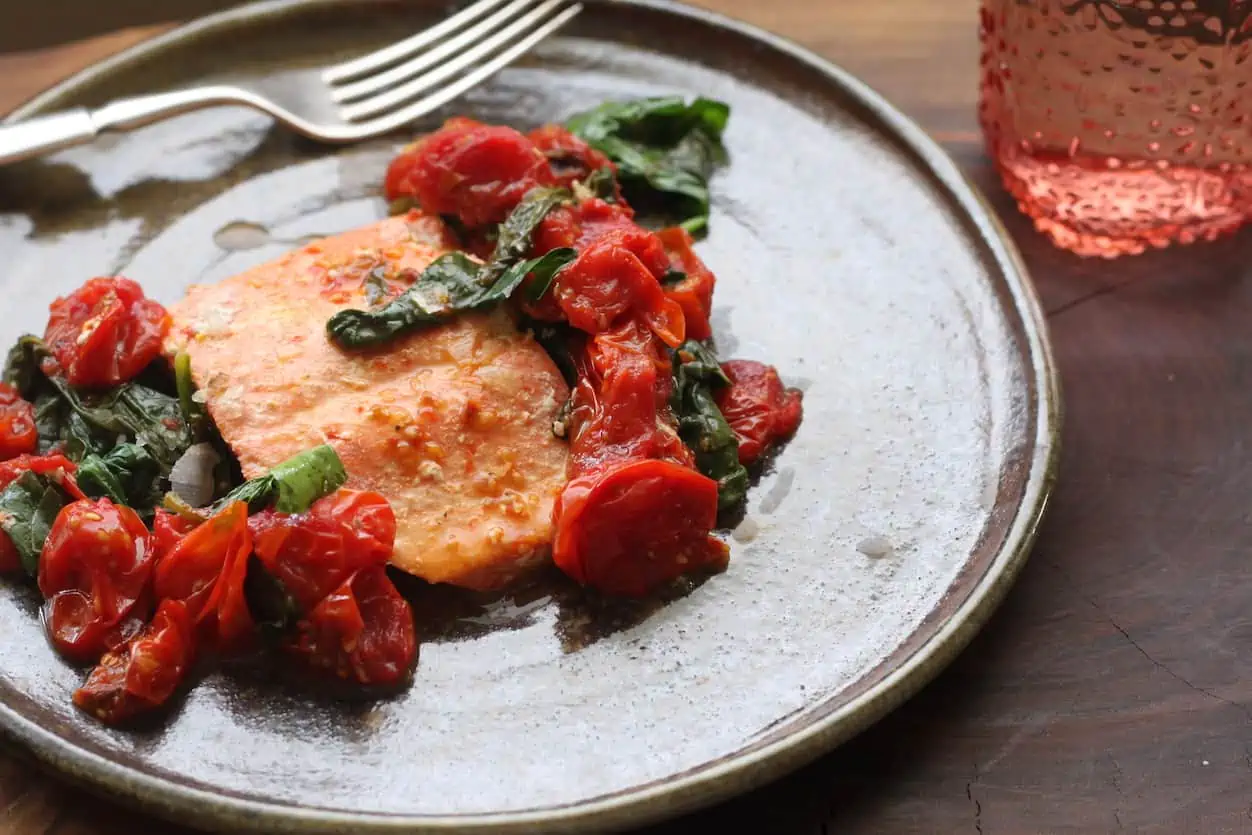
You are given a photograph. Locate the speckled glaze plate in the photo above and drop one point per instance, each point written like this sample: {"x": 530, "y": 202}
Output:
{"x": 851, "y": 254}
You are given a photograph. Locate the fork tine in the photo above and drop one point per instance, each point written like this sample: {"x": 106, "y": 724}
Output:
{"x": 403, "y": 49}
{"x": 429, "y": 58}
{"x": 422, "y": 107}
{"x": 483, "y": 51}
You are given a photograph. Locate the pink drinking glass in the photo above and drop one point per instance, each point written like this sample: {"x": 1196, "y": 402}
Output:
{"x": 1120, "y": 125}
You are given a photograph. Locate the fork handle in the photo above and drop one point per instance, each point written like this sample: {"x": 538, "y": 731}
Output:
{"x": 45, "y": 134}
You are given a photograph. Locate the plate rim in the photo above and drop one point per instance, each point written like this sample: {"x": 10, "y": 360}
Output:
{"x": 735, "y": 773}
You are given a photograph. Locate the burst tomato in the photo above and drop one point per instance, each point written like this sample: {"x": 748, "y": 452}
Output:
{"x": 631, "y": 527}
{"x": 57, "y": 467}
{"x": 206, "y": 571}
{"x": 105, "y": 332}
{"x": 759, "y": 409}
{"x": 570, "y": 158}
{"x": 695, "y": 292}
{"x": 476, "y": 172}
{"x": 18, "y": 435}
{"x": 361, "y": 631}
{"x": 312, "y": 554}
{"x": 142, "y": 673}
{"x": 615, "y": 277}
{"x": 94, "y": 572}
{"x": 168, "y": 529}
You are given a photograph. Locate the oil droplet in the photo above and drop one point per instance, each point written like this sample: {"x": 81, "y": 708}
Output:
{"x": 240, "y": 235}
{"x": 875, "y": 547}
{"x": 747, "y": 530}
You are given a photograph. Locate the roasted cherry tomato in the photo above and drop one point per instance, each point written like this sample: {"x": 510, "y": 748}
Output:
{"x": 105, "y": 332}
{"x": 206, "y": 570}
{"x": 18, "y": 435}
{"x": 93, "y": 571}
{"x": 632, "y": 527}
{"x": 570, "y": 158}
{"x": 142, "y": 673}
{"x": 759, "y": 409}
{"x": 361, "y": 631}
{"x": 10, "y": 559}
{"x": 313, "y": 553}
{"x": 617, "y": 276}
{"x": 616, "y": 417}
{"x": 582, "y": 225}
{"x": 476, "y": 172}
{"x": 57, "y": 467}
{"x": 168, "y": 529}
{"x": 695, "y": 292}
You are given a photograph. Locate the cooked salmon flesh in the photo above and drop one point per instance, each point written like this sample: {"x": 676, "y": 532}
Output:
{"x": 452, "y": 424}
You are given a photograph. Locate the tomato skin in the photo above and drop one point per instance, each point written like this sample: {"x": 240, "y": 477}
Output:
{"x": 168, "y": 529}
{"x": 759, "y": 409}
{"x": 312, "y": 554}
{"x": 361, "y": 631}
{"x": 476, "y": 172}
{"x": 18, "y": 435}
{"x": 621, "y": 402}
{"x": 94, "y": 571}
{"x": 142, "y": 673}
{"x": 570, "y": 158}
{"x": 10, "y": 559}
{"x": 56, "y": 467}
{"x": 206, "y": 571}
{"x": 616, "y": 276}
{"x": 105, "y": 332}
{"x": 633, "y": 526}
{"x": 694, "y": 294}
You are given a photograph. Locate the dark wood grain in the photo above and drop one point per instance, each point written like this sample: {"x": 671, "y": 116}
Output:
{"x": 1113, "y": 690}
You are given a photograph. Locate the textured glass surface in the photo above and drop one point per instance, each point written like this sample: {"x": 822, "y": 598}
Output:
{"x": 1121, "y": 125}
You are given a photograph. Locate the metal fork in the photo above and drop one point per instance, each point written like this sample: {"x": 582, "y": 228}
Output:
{"x": 359, "y": 99}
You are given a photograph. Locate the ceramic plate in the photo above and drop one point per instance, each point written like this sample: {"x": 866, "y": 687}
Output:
{"x": 850, "y": 253}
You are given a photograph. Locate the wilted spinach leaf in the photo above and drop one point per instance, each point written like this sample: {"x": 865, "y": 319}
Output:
{"x": 514, "y": 235}
{"x": 126, "y": 474}
{"x": 88, "y": 426}
{"x": 697, "y": 373}
{"x": 28, "y": 507}
{"x": 455, "y": 283}
{"x": 665, "y": 149}
{"x": 272, "y": 607}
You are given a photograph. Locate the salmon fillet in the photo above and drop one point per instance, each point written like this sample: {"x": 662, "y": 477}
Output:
{"x": 452, "y": 424}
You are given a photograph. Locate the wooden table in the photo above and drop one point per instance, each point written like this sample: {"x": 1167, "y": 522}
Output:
{"x": 1113, "y": 690}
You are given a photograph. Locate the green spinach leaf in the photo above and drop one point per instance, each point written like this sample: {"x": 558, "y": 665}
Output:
{"x": 28, "y": 507}
{"x": 271, "y": 605}
{"x": 665, "y": 149}
{"x": 293, "y": 485}
{"x": 126, "y": 474}
{"x": 21, "y": 366}
{"x": 129, "y": 436}
{"x": 701, "y": 425}
{"x": 515, "y": 234}
{"x": 455, "y": 283}
{"x": 544, "y": 268}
